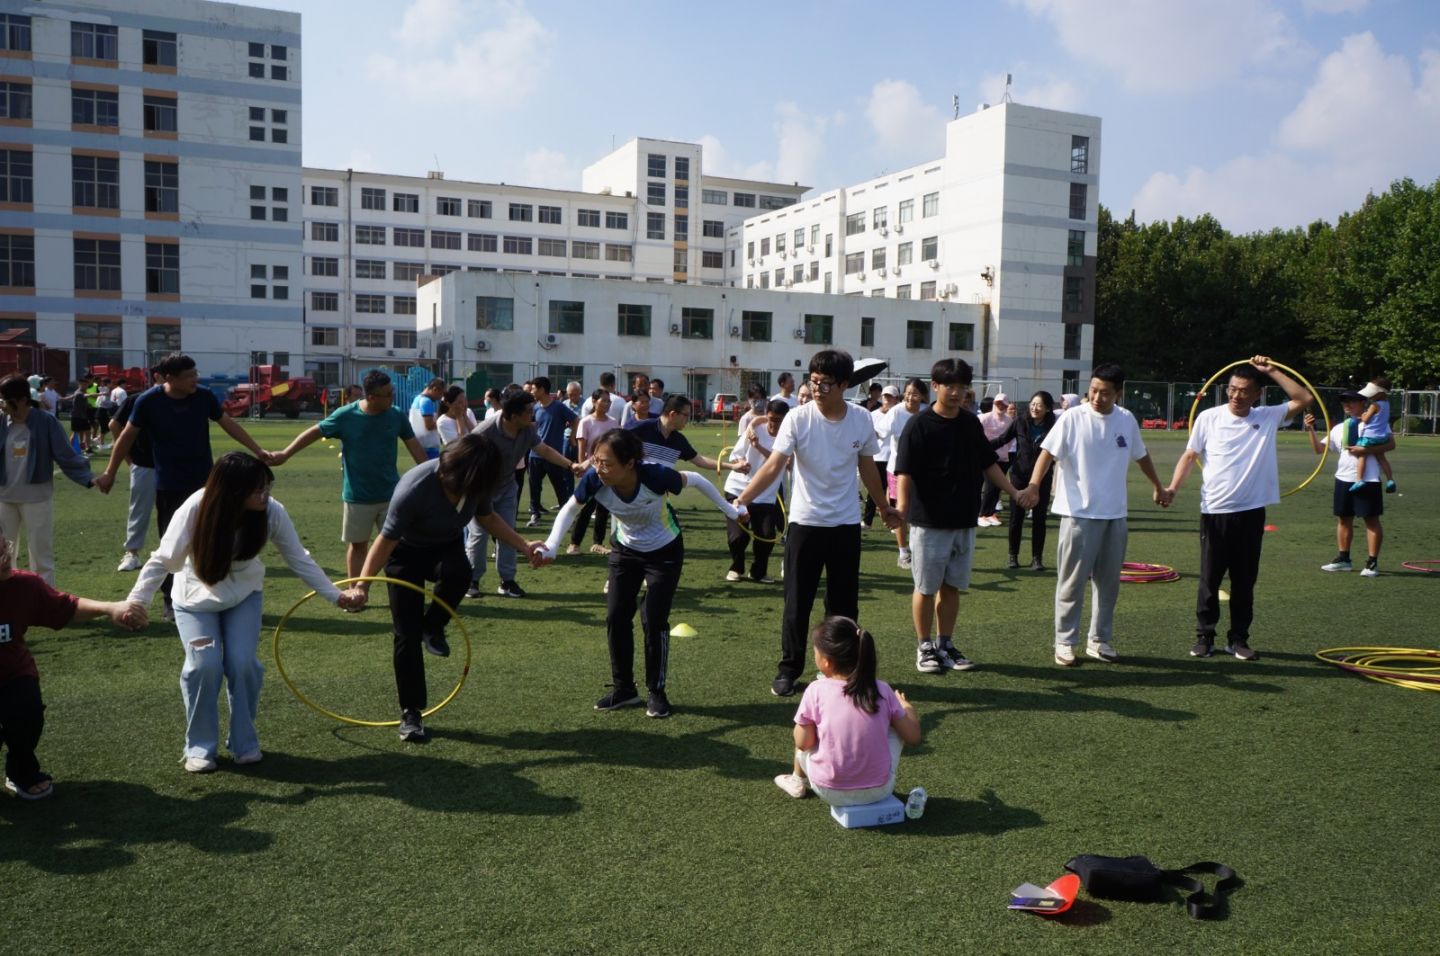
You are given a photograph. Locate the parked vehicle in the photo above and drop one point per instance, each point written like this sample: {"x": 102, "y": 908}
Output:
{"x": 725, "y": 405}
{"x": 269, "y": 390}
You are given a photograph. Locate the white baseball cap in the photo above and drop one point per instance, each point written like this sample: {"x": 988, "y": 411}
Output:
{"x": 892, "y": 391}
{"x": 1371, "y": 390}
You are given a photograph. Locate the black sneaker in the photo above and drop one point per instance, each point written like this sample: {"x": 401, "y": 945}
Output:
{"x": 951, "y": 657}
{"x": 619, "y": 697}
{"x": 783, "y": 686}
{"x": 1014, "y": 562}
{"x": 927, "y": 659}
{"x": 510, "y": 589}
{"x": 658, "y": 705}
{"x": 412, "y": 728}
{"x": 1204, "y": 647}
{"x": 436, "y": 644}
{"x": 1037, "y": 565}
{"x": 1242, "y": 651}
{"x": 474, "y": 590}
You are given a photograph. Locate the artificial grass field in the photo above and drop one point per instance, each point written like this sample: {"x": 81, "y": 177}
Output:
{"x": 532, "y": 823}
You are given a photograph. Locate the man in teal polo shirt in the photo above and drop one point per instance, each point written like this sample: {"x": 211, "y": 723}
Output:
{"x": 368, "y": 430}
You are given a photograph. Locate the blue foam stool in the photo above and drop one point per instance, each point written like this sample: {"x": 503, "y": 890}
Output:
{"x": 889, "y": 810}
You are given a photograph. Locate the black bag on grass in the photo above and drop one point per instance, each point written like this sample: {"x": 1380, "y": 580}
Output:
{"x": 1136, "y": 878}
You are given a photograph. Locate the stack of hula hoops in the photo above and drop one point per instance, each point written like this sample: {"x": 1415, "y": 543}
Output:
{"x": 1134, "y": 572}
{"x": 1376, "y": 663}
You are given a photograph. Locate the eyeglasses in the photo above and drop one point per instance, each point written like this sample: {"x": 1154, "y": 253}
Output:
{"x": 1232, "y": 390}
{"x": 822, "y": 385}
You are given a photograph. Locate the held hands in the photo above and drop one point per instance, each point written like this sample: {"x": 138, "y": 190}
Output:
{"x": 104, "y": 481}
{"x": 130, "y": 615}
{"x": 740, "y": 466}
{"x": 1163, "y": 496}
{"x": 577, "y": 468}
{"x": 538, "y": 554}
{"x": 1027, "y": 498}
{"x": 275, "y": 458}
{"x": 892, "y": 517}
{"x": 353, "y": 599}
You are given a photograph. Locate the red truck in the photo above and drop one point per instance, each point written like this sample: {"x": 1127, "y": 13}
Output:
{"x": 270, "y": 390}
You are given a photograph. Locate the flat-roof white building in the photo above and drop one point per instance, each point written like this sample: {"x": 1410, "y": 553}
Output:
{"x": 150, "y": 164}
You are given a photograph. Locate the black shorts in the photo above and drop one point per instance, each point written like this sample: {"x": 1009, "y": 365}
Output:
{"x": 1365, "y": 503}
{"x": 80, "y": 422}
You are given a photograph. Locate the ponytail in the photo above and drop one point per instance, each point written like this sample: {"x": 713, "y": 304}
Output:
{"x": 852, "y": 649}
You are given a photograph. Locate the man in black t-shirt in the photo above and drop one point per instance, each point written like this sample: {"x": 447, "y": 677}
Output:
{"x": 940, "y": 460}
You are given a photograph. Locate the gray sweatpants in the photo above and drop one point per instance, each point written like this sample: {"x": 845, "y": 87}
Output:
{"x": 478, "y": 540}
{"x": 1090, "y": 549}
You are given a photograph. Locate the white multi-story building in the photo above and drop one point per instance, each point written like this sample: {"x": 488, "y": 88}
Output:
{"x": 645, "y": 212}
{"x": 150, "y": 170}
{"x": 1006, "y": 218}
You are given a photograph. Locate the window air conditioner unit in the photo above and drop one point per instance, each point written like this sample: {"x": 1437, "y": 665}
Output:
{"x": 944, "y": 293}
{"x": 784, "y": 254}
{"x": 551, "y": 339}
{"x": 933, "y": 263}
{"x": 389, "y": 351}
{"x": 884, "y": 231}
{"x": 810, "y": 249}
{"x": 860, "y": 276}
{"x": 880, "y": 272}
{"x": 799, "y": 333}
{"x": 482, "y": 346}
{"x": 897, "y": 270}
{"x": 735, "y": 331}
{"x": 674, "y": 328}
{"x": 752, "y": 262}
{"x": 899, "y": 229}
{"x": 952, "y": 288}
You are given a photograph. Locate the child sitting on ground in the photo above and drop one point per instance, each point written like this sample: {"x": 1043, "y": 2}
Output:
{"x": 850, "y": 726}
{"x": 27, "y": 601}
{"x": 1370, "y": 429}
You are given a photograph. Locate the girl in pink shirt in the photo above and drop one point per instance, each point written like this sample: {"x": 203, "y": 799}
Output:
{"x": 850, "y": 726}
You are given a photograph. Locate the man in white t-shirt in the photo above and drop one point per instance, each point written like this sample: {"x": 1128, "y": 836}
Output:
{"x": 1092, "y": 448}
{"x": 833, "y": 446}
{"x": 787, "y": 390}
{"x": 1235, "y": 444}
{"x": 1367, "y": 504}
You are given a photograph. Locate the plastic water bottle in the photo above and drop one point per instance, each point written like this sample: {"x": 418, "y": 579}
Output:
{"x": 915, "y": 803}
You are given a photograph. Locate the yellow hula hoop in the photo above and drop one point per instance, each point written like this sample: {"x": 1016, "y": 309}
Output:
{"x": 1325, "y": 452}
{"x": 355, "y": 722}
{"x": 745, "y": 525}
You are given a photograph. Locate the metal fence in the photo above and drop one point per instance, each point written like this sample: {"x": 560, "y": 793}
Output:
{"x": 1169, "y": 405}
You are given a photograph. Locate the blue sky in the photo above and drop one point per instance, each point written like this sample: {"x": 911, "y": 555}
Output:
{"x": 1265, "y": 113}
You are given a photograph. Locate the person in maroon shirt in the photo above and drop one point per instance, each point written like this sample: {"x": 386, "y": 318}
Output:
{"x": 27, "y": 601}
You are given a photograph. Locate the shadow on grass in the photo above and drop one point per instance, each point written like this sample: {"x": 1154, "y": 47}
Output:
{"x": 1060, "y": 699}
{"x": 1081, "y": 914}
{"x": 987, "y": 816}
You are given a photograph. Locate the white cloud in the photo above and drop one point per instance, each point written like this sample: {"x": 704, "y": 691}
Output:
{"x": 907, "y": 129}
{"x": 800, "y": 149}
{"x": 1364, "y": 122}
{"x": 1334, "y": 6}
{"x": 1052, "y": 94}
{"x": 719, "y": 162}
{"x": 450, "y": 57}
{"x": 1161, "y": 46}
{"x": 549, "y": 168}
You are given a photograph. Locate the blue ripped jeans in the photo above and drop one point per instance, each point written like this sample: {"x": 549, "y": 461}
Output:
{"x": 220, "y": 646}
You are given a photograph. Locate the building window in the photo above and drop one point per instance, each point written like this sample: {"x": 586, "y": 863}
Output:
{"x": 17, "y": 262}
{"x": 17, "y": 176}
{"x": 404, "y": 338}
{"x": 618, "y": 253}
{"x": 324, "y": 196}
{"x": 97, "y": 264}
{"x": 95, "y": 181}
{"x": 567, "y": 318}
{"x": 521, "y": 212}
{"x": 1072, "y": 341}
{"x": 829, "y": 244}
{"x": 682, "y": 197}
{"x": 405, "y": 305}
{"x": 369, "y": 338}
{"x": 162, "y": 268}
{"x": 405, "y": 202}
{"x": 552, "y": 215}
{"x": 98, "y": 343}
{"x": 447, "y": 205}
{"x": 94, "y": 41}
{"x": 780, "y": 242}
{"x": 324, "y": 266}
{"x": 867, "y": 331}
{"x": 854, "y": 263}
{"x": 654, "y": 225}
{"x": 584, "y": 250}
{"x": 930, "y": 248}
{"x": 617, "y": 220}
{"x": 479, "y": 208}
{"x": 813, "y": 272}
{"x": 877, "y": 258}
{"x": 95, "y": 108}
{"x": 779, "y": 278}
{"x": 927, "y": 291}
{"x": 589, "y": 218}
{"x": 371, "y": 198}
{"x": 682, "y": 228}
{"x": 904, "y": 253}
{"x": 854, "y": 223}
{"x": 962, "y": 336}
{"x": 1078, "y": 195}
{"x": 655, "y": 166}
{"x": 370, "y": 235}
{"x": 325, "y": 231}
{"x": 14, "y": 33}
{"x": 551, "y": 247}
{"x": 877, "y": 293}
{"x": 681, "y": 261}
{"x": 712, "y": 260}
{"x": 682, "y": 168}
{"x": 444, "y": 239}
{"x": 775, "y": 202}
{"x": 764, "y": 247}
{"x": 880, "y": 218}
{"x": 906, "y": 212}
{"x": 494, "y": 314}
{"x": 829, "y": 282}
{"x": 481, "y": 242}
{"x": 632, "y": 319}
{"x": 1074, "y": 294}
{"x": 902, "y": 291}
{"x": 408, "y": 271}
{"x": 715, "y": 197}
{"x": 518, "y": 245}
{"x": 161, "y": 114}
{"x": 370, "y": 304}
{"x": 755, "y": 326}
{"x": 655, "y": 194}
{"x": 1079, "y": 155}
{"x": 279, "y": 72}
{"x": 370, "y": 268}
{"x": 746, "y": 200}
{"x": 697, "y": 323}
{"x": 411, "y": 238}
{"x": 931, "y": 205}
{"x": 324, "y": 334}
{"x": 819, "y": 329}
{"x": 158, "y": 49}
{"x": 919, "y": 335}
{"x": 14, "y": 101}
{"x": 1075, "y": 248}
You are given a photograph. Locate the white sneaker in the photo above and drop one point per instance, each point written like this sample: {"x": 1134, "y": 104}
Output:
{"x": 199, "y": 764}
{"x": 1101, "y": 651}
{"x": 131, "y": 562}
{"x": 1369, "y": 572}
{"x": 792, "y": 784}
{"x": 732, "y": 575}
{"x": 253, "y": 756}
{"x": 1064, "y": 655}
{"x": 1337, "y": 565}
{"x": 572, "y": 549}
